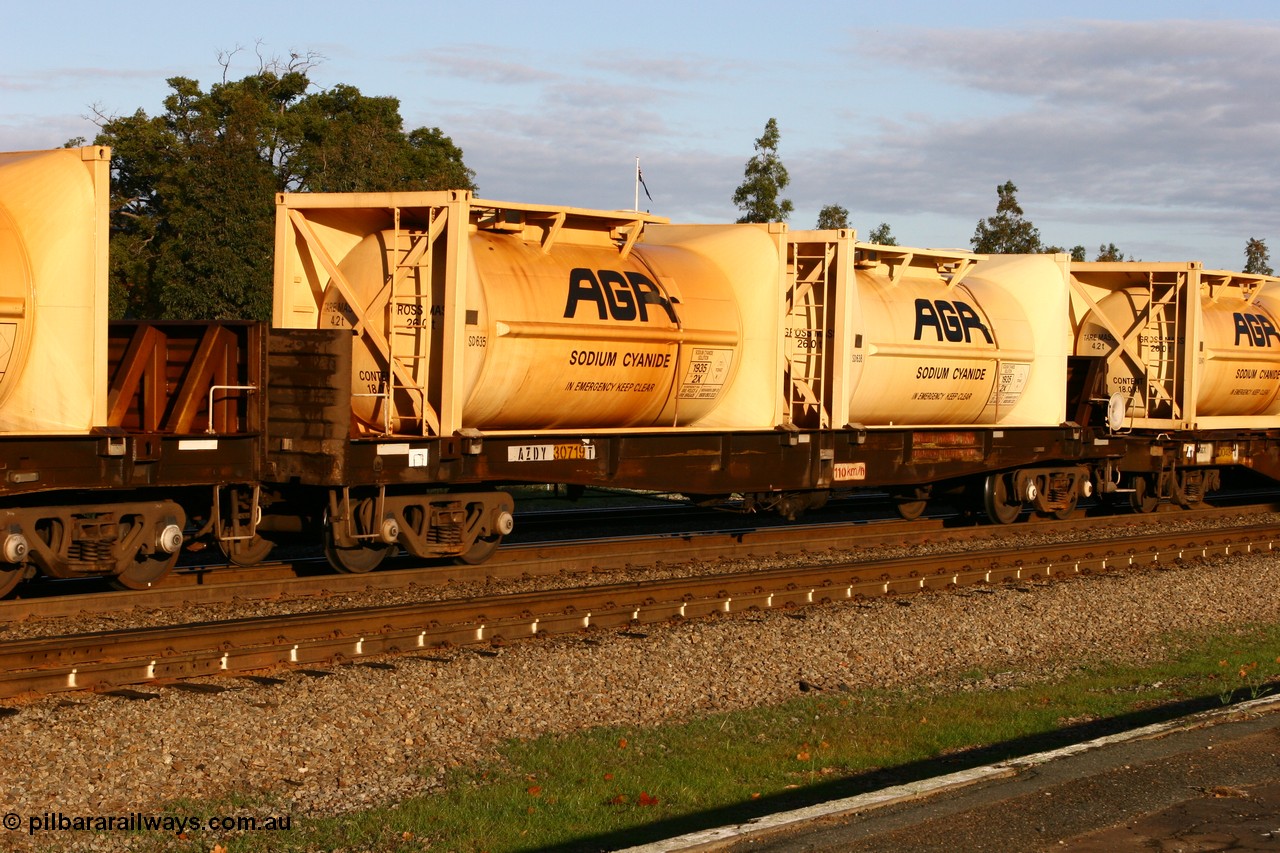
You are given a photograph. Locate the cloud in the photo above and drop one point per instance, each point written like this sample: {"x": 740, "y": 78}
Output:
{"x": 477, "y": 63}
{"x": 1163, "y": 130}
{"x": 1142, "y": 65}
{"x": 683, "y": 69}
{"x": 1159, "y": 122}
{"x": 71, "y": 78}
{"x": 24, "y": 133}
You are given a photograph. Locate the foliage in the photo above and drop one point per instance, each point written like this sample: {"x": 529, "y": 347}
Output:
{"x": 881, "y": 235}
{"x": 1252, "y": 679}
{"x": 763, "y": 181}
{"x": 194, "y": 188}
{"x": 1109, "y": 252}
{"x": 1008, "y": 232}
{"x": 1257, "y": 257}
{"x": 832, "y": 216}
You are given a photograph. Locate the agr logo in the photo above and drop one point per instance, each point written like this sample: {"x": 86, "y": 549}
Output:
{"x": 952, "y": 321}
{"x": 1255, "y": 329}
{"x": 616, "y": 295}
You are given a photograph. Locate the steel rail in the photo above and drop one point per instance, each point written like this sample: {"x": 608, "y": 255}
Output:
{"x": 113, "y": 659}
{"x": 224, "y": 584}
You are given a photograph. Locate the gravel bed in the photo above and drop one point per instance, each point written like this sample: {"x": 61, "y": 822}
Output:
{"x": 999, "y": 537}
{"x": 360, "y": 735}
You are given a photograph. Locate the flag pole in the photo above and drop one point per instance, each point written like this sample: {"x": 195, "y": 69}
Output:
{"x": 640, "y": 184}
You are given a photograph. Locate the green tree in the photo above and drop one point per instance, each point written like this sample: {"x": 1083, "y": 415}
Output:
{"x": 882, "y": 236}
{"x": 1008, "y": 232}
{"x": 831, "y": 217}
{"x": 764, "y": 180}
{"x": 1077, "y": 252}
{"x": 349, "y": 142}
{"x": 1109, "y": 252}
{"x": 194, "y": 187}
{"x": 1257, "y": 257}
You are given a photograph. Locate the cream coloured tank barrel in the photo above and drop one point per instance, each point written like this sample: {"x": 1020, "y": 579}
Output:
{"x": 574, "y": 336}
{"x": 929, "y": 350}
{"x": 15, "y": 301}
{"x": 1239, "y": 364}
{"x": 53, "y": 289}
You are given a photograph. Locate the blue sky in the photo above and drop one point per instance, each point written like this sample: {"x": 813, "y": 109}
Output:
{"x": 1155, "y": 126}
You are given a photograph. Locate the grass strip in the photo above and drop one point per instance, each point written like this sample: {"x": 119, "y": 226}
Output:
{"x": 613, "y": 787}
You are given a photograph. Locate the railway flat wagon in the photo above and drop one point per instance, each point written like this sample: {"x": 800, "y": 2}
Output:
{"x": 1180, "y": 366}
{"x": 934, "y": 370}
{"x": 486, "y": 342}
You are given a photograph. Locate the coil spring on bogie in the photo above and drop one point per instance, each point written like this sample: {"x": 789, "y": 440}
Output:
{"x": 445, "y": 534}
{"x": 90, "y": 551}
{"x": 1193, "y": 488}
{"x": 1058, "y": 488}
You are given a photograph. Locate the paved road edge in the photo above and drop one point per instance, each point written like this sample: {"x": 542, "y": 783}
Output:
{"x": 710, "y": 838}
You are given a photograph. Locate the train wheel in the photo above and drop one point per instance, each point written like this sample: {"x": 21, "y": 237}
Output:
{"x": 355, "y": 561}
{"x": 1141, "y": 498}
{"x": 148, "y": 548}
{"x": 145, "y": 571}
{"x": 911, "y": 510}
{"x": 10, "y": 577}
{"x": 996, "y": 500}
{"x": 247, "y": 552}
{"x": 479, "y": 552}
{"x": 913, "y": 506}
{"x": 480, "y": 522}
{"x": 239, "y": 511}
{"x": 1065, "y": 512}
{"x": 365, "y": 556}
